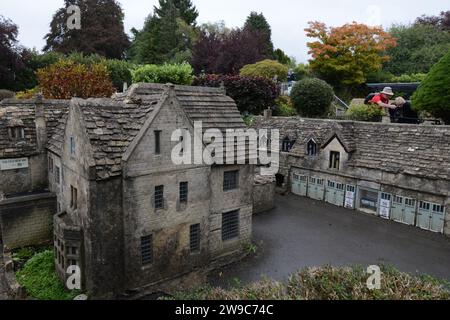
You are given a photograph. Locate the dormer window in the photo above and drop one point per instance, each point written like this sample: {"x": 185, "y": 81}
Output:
{"x": 16, "y": 130}
{"x": 335, "y": 160}
{"x": 312, "y": 148}
{"x": 287, "y": 144}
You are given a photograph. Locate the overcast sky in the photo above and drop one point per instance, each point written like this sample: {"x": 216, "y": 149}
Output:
{"x": 288, "y": 18}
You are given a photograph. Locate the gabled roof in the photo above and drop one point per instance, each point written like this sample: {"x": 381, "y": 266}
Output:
{"x": 418, "y": 150}
{"x": 113, "y": 124}
{"x": 22, "y": 113}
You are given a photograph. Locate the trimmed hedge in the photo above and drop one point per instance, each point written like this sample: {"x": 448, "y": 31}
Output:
{"x": 252, "y": 94}
{"x": 312, "y": 97}
{"x": 267, "y": 68}
{"x": 167, "y": 73}
{"x": 433, "y": 95}
{"x": 362, "y": 112}
{"x": 66, "y": 79}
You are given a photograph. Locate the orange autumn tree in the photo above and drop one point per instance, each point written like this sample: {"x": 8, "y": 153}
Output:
{"x": 346, "y": 55}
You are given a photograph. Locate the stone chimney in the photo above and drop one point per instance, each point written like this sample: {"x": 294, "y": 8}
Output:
{"x": 268, "y": 113}
{"x": 41, "y": 126}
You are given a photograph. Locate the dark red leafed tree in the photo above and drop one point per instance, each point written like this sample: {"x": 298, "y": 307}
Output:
{"x": 102, "y": 31}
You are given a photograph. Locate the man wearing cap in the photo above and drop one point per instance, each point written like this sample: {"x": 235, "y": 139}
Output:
{"x": 383, "y": 98}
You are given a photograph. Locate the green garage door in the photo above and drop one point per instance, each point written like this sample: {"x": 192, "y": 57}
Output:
{"x": 335, "y": 193}
{"x": 403, "y": 210}
{"x": 299, "y": 185}
{"x": 397, "y": 208}
{"x": 424, "y": 215}
{"x": 316, "y": 188}
{"x": 437, "y": 218}
{"x": 409, "y": 214}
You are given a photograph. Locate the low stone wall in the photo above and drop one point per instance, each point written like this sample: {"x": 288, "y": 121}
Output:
{"x": 15, "y": 290}
{"x": 27, "y": 220}
{"x": 263, "y": 194}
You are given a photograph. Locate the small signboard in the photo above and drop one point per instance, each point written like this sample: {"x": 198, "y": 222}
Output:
{"x": 12, "y": 164}
{"x": 385, "y": 208}
{"x": 349, "y": 199}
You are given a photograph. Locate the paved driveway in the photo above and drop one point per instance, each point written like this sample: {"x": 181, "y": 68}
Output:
{"x": 301, "y": 233}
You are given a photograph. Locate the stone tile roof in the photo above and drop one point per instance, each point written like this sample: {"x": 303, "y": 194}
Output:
{"x": 112, "y": 124}
{"x": 418, "y": 150}
{"x": 22, "y": 113}
{"x": 209, "y": 105}
{"x": 111, "y": 127}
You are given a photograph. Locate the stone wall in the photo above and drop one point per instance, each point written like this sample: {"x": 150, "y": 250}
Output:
{"x": 263, "y": 194}
{"x": 27, "y": 220}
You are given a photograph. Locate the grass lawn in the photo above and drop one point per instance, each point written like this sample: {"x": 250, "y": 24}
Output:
{"x": 39, "y": 278}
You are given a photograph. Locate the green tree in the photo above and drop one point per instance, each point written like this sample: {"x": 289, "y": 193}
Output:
{"x": 269, "y": 69}
{"x": 433, "y": 95}
{"x": 419, "y": 47}
{"x": 185, "y": 8}
{"x": 256, "y": 22}
{"x": 282, "y": 57}
{"x": 312, "y": 97}
{"x": 102, "y": 31}
{"x": 168, "y": 35}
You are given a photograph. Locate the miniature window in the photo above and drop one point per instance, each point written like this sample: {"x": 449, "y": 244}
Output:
{"x": 424, "y": 205}
{"x": 73, "y": 197}
{"x": 194, "y": 237}
{"x": 230, "y": 180}
{"x": 159, "y": 197}
{"x": 72, "y": 146}
{"x": 287, "y": 144}
{"x": 16, "y": 133}
{"x": 147, "y": 250}
{"x": 50, "y": 164}
{"x": 410, "y": 202}
{"x": 398, "y": 199}
{"x": 158, "y": 142}
{"x": 335, "y": 158}
{"x": 311, "y": 148}
{"x": 57, "y": 175}
{"x": 230, "y": 225}
{"x": 183, "y": 192}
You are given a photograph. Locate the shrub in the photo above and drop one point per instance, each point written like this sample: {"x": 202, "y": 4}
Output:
{"x": 66, "y": 79}
{"x": 119, "y": 73}
{"x": 39, "y": 278}
{"x": 433, "y": 95}
{"x": 267, "y": 68}
{"x": 167, "y": 73}
{"x": 28, "y": 94}
{"x": 252, "y": 94}
{"x": 362, "y": 112}
{"x": 312, "y": 97}
{"x": 6, "y": 94}
{"x": 329, "y": 283}
{"x": 284, "y": 107}
{"x": 408, "y": 78}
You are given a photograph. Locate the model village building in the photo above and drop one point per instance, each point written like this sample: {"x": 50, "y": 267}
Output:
{"x": 125, "y": 213}
{"x": 396, "y": 171}
{"x": 97, "y": 177}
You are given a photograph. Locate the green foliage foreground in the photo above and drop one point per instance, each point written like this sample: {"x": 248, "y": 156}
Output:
{"x": 328, "y": 283}
{"x": 39, "y": 278}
